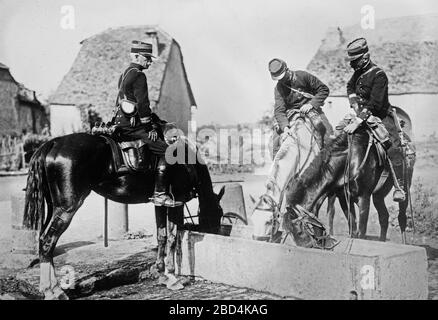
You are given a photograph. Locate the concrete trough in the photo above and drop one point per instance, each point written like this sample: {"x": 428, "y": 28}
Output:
{"x": 373, "y": 270}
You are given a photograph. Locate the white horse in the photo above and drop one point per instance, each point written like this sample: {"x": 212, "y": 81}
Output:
{"x": 296, "y": 152}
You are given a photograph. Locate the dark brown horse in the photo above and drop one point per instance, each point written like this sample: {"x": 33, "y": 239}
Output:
{"x": 63, "y": 172}
{"x": 327, "y": 177}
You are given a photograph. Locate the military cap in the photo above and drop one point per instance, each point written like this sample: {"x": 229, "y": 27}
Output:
{"x": 277, "y": 68}
{"x": 143, "y": 48}
{"x": 356, "y": 49}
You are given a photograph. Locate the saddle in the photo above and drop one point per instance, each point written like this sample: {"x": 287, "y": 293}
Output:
{"x": 128, "y": 156}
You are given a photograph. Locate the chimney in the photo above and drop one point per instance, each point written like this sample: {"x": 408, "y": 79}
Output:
{"x": 152, "y": 37}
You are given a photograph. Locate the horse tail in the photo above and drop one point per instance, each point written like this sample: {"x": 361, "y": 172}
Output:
{"x": 34, "y": 200}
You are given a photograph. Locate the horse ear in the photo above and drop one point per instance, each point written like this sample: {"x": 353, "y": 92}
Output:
{"x": 221, "y": 193}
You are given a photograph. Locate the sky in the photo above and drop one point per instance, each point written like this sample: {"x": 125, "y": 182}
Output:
{"x": 226, "y": 44}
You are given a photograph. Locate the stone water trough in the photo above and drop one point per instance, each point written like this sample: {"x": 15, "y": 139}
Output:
{"x": 368, "y": 270}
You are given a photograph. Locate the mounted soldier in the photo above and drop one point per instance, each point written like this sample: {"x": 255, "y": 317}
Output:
{"x": 135, "y": 121}
{"x": 301, "y": 129}
{"x": 296, "y": 92}
{"x": 367, "y": 92}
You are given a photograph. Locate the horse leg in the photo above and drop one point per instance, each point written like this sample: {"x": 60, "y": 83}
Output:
{"x": 379, "y": 204}
{"x": 174, "y": 221}
{"x": 161, "y": 222}
{"x": 402, "y": 218}
{"x": 331, "y": 211}
{"x": 58, "y": 224}
{"x": 179, "y": 211}
{"x": 402, "y": 206}
{"x": 364, "y": 210}
{"x": 351, "y": 218}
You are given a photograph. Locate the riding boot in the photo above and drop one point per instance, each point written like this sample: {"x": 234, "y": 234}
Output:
{"x": 161, "y": 195}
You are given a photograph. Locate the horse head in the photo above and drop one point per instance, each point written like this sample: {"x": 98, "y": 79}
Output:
{"x": 214, "y": 212}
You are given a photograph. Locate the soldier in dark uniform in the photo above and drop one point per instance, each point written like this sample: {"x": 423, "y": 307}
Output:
{"x": 367, "y": 92}
{"x": 297, "y": 93}
{"x": 288, "y": 99}
{"x": 133, "y": 90}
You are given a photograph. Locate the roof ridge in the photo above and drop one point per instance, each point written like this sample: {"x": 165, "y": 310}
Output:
{"x": 155, "y": 27}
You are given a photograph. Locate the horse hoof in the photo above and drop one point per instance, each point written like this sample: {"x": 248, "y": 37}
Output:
{"x": 60, "y": 294}
{"x": 174, "y": 283}
{"x": 163, "y": 280}
{"x": 55, "y": 294}
{"x": 176, "y": 286}
{"x": 160, "y": 266}
{"x": 48, "y": 295}
{"x": 404, "y": 238}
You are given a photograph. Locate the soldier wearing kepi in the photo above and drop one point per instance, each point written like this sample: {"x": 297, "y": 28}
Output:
{"x": 297, "y": 91}
{"x": 367, "y": 92}
{"x": 133, "y": 117}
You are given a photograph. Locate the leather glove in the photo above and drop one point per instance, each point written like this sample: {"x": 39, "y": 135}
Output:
{"x": 352, "y": 127}
{"x": 286, "y": 132}
{"x": 306, "y": 108}
{"x": 153, "y": 135}
{"x": 354, "y": 102}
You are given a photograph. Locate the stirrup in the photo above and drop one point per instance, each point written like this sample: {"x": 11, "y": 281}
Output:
{"x": 398, "y": 195}
{"x": 165, "y": 200}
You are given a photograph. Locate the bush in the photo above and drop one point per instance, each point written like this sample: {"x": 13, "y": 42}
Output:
{"x": 424, "y": 206}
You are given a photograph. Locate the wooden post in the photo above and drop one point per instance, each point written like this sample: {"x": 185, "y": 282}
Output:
{"x": 117, "y": 219}
{"x": 229, "y": 150}
{"x": 24, "y": 241}
{"x": 105, "y": 224}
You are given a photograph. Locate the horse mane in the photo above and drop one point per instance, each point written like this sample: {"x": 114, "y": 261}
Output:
{"x": 317, "y": 169}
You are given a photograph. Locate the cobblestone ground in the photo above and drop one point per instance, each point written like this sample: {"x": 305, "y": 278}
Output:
{"x": 196, "y": 290}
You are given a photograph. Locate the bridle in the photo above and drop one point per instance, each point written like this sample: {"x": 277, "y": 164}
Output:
{"x": 308, "y": 221}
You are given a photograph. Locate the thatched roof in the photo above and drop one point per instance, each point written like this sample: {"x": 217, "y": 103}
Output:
{"x": 406, "y": 48}
{"x": 93, "y": 76}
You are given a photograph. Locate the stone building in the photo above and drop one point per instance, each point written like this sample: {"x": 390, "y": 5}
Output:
{"x": 20, "y": 110}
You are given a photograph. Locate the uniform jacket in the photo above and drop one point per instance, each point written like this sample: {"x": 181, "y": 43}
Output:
{"x": 286, "y": 99}
{"x": 371, "y": 85}
{"x": 135, "y": 88}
